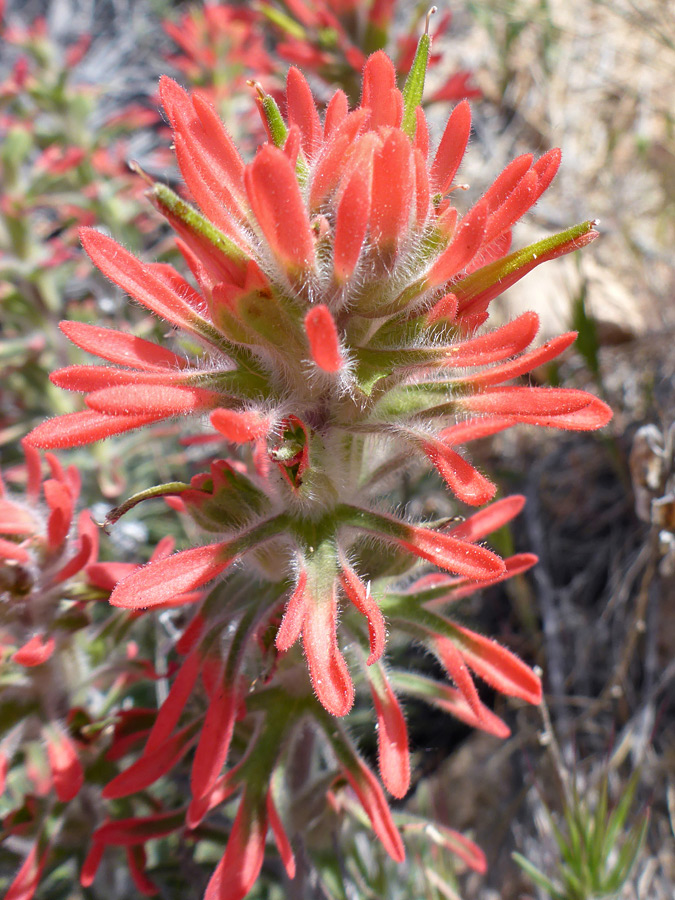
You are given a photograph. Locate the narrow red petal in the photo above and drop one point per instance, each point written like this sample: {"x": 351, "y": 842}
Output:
{"x": 208, "y": 159}
{"x": 596, "y": 415}
{"x": 64, "y": 763}
{"x": 451, "y": 148}
{"x": 336, "y": 113}
{"x": 28, "y": 877}
{"x": 302, "y": 111}
{"x": 475, "y": 429}
{"x": 453, "y": 555}
{"x": 495, "y": 346}
{"x": 150, "y": 768}
{"x": 76, "y": 429}
{"x": 379, "y": 87}
{"x": 137, "y": 830}
{"x": 515, "y": 565}
{"x": 94, "y": 378}
{"x": 280, "y": 837}
{"x": 60, "y": 501}
{"x": 215, "y": 200}
{"x": 367, "y": 606}
{"x": 294, "y": 616}
{"x": 240, "y": 427}
{"x": 214, "y": 741}
{"x": 452, "y": 661}
{"x": 469, "y": 852}
{"x": 137, "y": 280}
{"x": 462, "y": 478}
{"x": 160, "y": 581}
{"x": 521, "y": 198}
{"x": 76, "y": 562}
{"x": 463, "y": 247}
{"x": 483, "y": 523}
{"x": 35, "y": 652}
{"x": 152, "y": 400}
{"x": 528, "y": 404}
{"x": 327, "y": 667}
{"x": 322, "y": 335}
{"x": 353, "y": 216}
{"x": 136, "y": 860}
{"x": 421, "y": 141}
{"x": 174, "y": 704}
{"x": 500, "y": 668}
{"x": 546, "y": 168}
{"x": 240, "y": 866}
{"x": 278, "y": 206}
{"x": 224, "y": 148}
{"x": 33, "y": 471}
{"x": 392, "y": 737}
{"x": 422, "y": 190}
{"x": 91, "y": 864}
{"x": 502, "y": 186}
{"x": 373, "y": 801}
{"x": 390, "y": 209}
{"x": 453, "y": 702}
{"x": 331, "y": 165}
{"x": 292, "y": 145}
{"x": 525, "y": 363}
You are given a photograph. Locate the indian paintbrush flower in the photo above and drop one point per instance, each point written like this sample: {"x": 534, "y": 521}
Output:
{"x": 337, "y": 285}
{"x": 334, "y": 304}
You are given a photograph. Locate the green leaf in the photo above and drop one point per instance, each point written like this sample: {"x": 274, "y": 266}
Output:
{"x": 406, "y": 401}
{"x": 281, "y": 20}
{"x": 538, "y": 877}
{"x": 587, "y": 342}
{"x": 619, "y": 815}
{"x": 195, "y": 221}
{"x": 275, "y": 121}
{"x": 628, "y": 855}
{"x": 414, "y": 85}
{"x": 170, "y": 489}
{"x": 489, "y": 281}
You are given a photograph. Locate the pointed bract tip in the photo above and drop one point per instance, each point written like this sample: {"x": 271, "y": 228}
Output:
{"x": 135, "y": 167}
{"x": 257, "y": 87}
{"x": 323, "y": 339}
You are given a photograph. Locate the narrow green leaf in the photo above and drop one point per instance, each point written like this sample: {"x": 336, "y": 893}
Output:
{"x": 538, "y": 877}
{"x": 281, "y": 20}
{"x": 620, "y": 814}
{"x": 275, "y": 121}
{"x": 414, "y": 85}
{"x": 491, "y": 280}
{"x": 195, "y": 221}
{"x": 628, "y": 855}
{"x": 171, "y": 489}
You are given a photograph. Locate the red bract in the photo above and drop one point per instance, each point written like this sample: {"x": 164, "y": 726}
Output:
{"x": 44, "y": 550}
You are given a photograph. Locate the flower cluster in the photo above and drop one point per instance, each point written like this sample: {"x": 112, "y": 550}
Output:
{"x": 330, "y": 337}
{"x": 335, "y": 281}
{"x": 42, "y": 550}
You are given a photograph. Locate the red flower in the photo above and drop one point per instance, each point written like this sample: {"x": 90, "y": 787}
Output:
{"x": 348, "y": 214}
